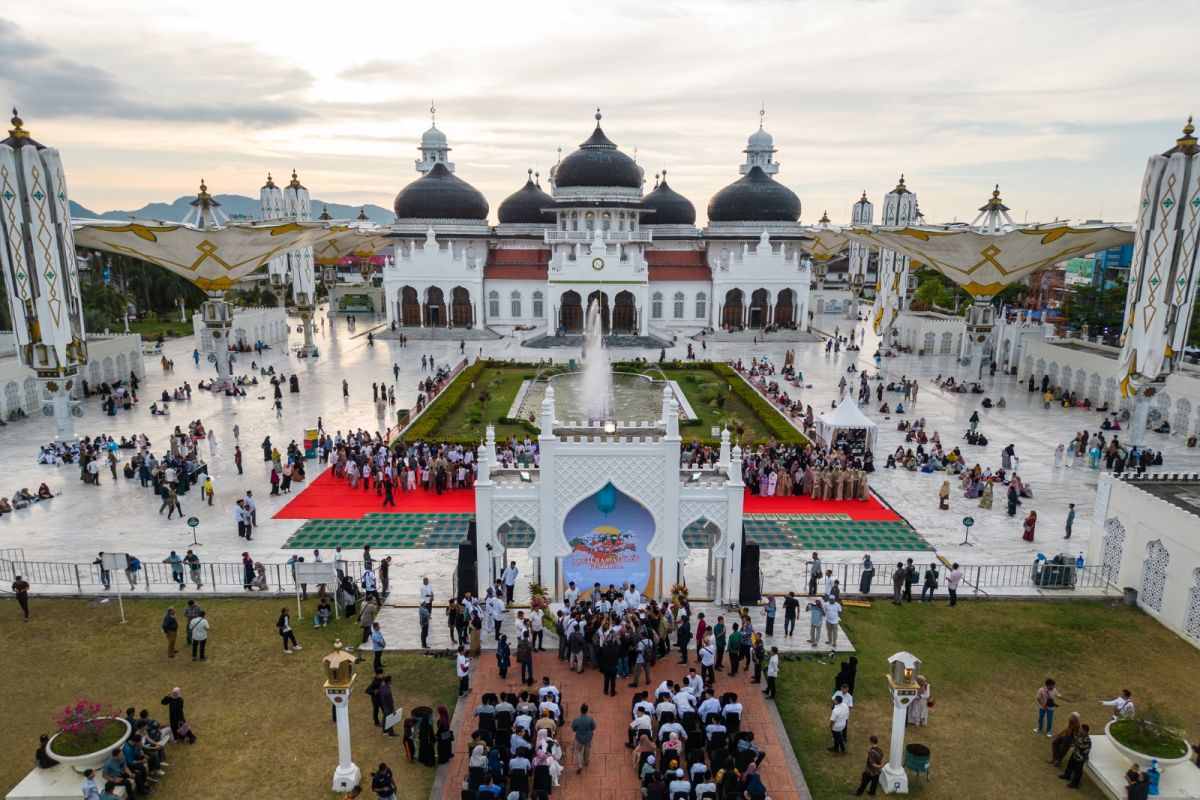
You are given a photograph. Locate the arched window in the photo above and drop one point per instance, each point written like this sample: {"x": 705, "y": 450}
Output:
{"x": 575, "y": 220}
{"x": 538, "y": 306}
{"x": 516, "y": 304}
{"x": 678, "y": 305}
{"x": 591, "y": 221}
{"x": 493, "y": 304}
{"x": 701, "y": 306}
{"x": 607, "y": 219}
{"x": 656, "y": 305}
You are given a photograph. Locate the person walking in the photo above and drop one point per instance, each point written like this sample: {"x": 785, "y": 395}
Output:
{"x": 772, "y": 673}
{"x": 871, "y": 770}
{"x": 198, "y": 630}
{"x": 1070, "y": 519}
{"x": 237, "y": 458}
{"x": 1079, "y": 758}
{"x": 791, "y": 609}
{"x": 584, "y": 728}
{"x": 510, "y": 581}
{"x": 462, "y": 668}
{"x": 1029, "y": 527}
{"x": 20, "y": 588}
{"x": 377, "y": 645}
{"x": 345, "y": 389}
{"x": 953, "y": 579}
{"x": 170, "y": 629}
{"x": 503, "y": 656}
{"x": 284, "y": 626}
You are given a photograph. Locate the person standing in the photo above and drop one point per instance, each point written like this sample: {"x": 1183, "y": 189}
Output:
{"x": 791, "y": 609}
{"x": 284, "y": 626}
{"x": 838, "y": 717}
{"x": 20, "y": 587}
{"x": 910, "y": 577}
{"x": 814, "y": 574}
{"x": 251, "y": 512}
{"x": 833, "y": 616}
{"x": 871, "y": 770}
{"x": 170, "y": 629}
{"x": 897, "y": 583}
{"x": 176, "y": 568}
{"x": 462, "y": 668}
{"x": 1029, "y": 527}
{"x": 1070, "y": 519}
{"x": 105, "y": 575}
{"x": 771, "y": 610}
{"x": 1047, "y": 700}
{"x": 1079, "y": 758}
{"x": 345, "y": 389}
{"x": 931, "y": 582}
{"x": 193, "y": 562}
{"x": 89, "y": 788}
{"x": 424, "y": 612}
{"x": 525, "y": 658}
{"x": 239, "y": 518}
{"x": 495, "y": 608}
{"x": 510, "y": 580}
{"x": 719, "y": 641}
{"x": 772, "y": 673}
{"x": 584, "y": 728}
{"x": 953, "y": 579}
{"x": 387, "y": 702}
{"x": 373, "y": 692}
{"x": 198, "y": 630}
{"x": 377, "y": 645}
{"x": 816, "y": 618}
{"x": 180, "y": 729}
{"x": 237, "y": 458}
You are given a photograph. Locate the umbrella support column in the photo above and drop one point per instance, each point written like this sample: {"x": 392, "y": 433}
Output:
{"x": 218, "y": 318}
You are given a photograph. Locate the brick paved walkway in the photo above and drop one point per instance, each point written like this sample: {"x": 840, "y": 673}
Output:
{"x": 611, "y": 775}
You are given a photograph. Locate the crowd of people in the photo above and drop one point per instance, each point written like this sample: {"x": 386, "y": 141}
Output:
{"x": 833, "y": 474}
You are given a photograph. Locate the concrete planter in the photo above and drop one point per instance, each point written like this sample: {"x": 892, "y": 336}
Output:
{"x": 1141, "y": 759}
{"x": 89, "y": 760}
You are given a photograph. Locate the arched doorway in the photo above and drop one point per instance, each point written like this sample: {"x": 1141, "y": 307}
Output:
{"x": 759, "y": 308}
{"x": 460, "y": 307}
{"x": 435, "y": 307}
{"x": 731, "y": 312}
{"x": 601, "y": 299}
{"x": 570, "y": 312}
{"x": 410, "y": 308}
{"x": 624, "y": 318}
{"x": 784, "y": 308}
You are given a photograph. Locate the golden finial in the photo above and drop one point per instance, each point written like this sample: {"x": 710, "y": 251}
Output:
{"x": 996, "y": 194}
{"x": 1188, "y": 129}
{"x": 824, "y": 220}
{"x": 203, "y": 187}
{"x": 295, "y": 184}
{"x": 17, "y": 131}
{"x": 864, "y": 199}
{"x": 270, "y": 183}
{"x": 325, "y": 213}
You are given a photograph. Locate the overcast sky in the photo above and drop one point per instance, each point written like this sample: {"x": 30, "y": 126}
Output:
{"x": 1058, "y": 102}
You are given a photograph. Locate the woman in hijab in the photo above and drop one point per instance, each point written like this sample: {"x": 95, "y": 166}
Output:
{"x": 410, "y": 749}
{"x": 868, "y": 574}
{"x": 944, "y": 496}
{"x": 985, "y": 498}
{"x": 445, "y": 736}
{"x": 1029, "y": 526}
{"x": 179, "y": 725}
{"x": 426, "y": 741}
{"x": 846, "y": 675}
{"x": 503, "y": 655}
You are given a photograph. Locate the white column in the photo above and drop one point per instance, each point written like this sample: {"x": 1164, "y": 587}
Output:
{"x": 62, "y": 405}
{"x": 894, "y": 779}
{"x": 548, "y": 532}
{"x": 347, "y": 775}
{"x": 485, "y": 529}
{"x": 671, "y": 534}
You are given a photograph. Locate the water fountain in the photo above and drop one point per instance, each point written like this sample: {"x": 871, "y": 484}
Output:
{"x": 597, "y": 372}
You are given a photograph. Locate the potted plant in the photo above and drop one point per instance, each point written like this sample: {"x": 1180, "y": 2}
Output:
{"x": 539, "y": 603}
{"x": 87, "y": 732}
{"x": 1148, "y": 735}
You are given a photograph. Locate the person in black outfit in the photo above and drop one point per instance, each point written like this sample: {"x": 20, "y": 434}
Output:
{"x": 41, "y": 757}
{"x": 846, "y": 675}
{"x": 1083, "y": 749}
{"x": 179, "y": 727}
{"x": 791, "y": 609}
{"x": 608, "y": 657}
{"x": 373, "y": 693}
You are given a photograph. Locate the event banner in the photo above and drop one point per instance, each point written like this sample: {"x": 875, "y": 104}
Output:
{"x": 609, "y": 534}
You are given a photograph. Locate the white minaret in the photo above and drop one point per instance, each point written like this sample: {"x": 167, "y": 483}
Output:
{"x": 899, "y": 209}
{"x": 434, "y": 147}
{"x": 860, "y": 255}
{"x": 760, "y": 150}
{"x": 297, "y": 206}
{"x": 270, "y": 199}
{"x": 1162, "y": 279}
{"x": 37, "y": 257}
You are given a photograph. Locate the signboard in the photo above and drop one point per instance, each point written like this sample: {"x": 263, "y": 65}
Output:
{"x": 310, "y": 443}
{"x": 316, "y": 572}
{"x": 609, "y": 534}
{"x": 115, "y": 562}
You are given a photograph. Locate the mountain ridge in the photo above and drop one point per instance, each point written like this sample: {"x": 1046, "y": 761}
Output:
{"x": 235, "y": 205}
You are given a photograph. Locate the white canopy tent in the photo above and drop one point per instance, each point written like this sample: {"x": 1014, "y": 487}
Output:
{"x": 846, "y": 417}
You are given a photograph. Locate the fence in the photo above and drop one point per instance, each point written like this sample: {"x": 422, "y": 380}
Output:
{"x": 410, "y": 416}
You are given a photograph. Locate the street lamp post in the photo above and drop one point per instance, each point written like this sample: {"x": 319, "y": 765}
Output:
{"x": 339, "y": 679}
{"x": 902, "y": 684}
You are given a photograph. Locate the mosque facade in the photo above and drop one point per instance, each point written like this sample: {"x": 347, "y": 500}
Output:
{"x": 594, "y": 233}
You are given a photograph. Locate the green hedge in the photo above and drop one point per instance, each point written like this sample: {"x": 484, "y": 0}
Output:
{"x": 427, "y": 424}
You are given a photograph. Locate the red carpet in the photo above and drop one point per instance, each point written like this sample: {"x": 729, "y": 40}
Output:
{"x": 330, "y": 498}
{"x": 865, "y": 510}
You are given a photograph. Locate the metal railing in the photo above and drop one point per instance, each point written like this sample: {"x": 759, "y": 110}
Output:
{"x": 977, "y": 578}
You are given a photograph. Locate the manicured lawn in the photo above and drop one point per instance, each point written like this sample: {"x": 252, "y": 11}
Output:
{"x": 488, "y": 400}
{"x": 260, "y": 716}
{"x": 169, "y": 327}
{"x": 985, "y": 661}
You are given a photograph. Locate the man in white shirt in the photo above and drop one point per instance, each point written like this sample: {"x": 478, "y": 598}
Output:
{"x": 510, "y": 580}
{"x": 679, "y": 785}
{"x": 833, "y": 615}
{"x": 953, "y": 579}
{"x": 665, "y": 706}
{"x": 368, "y": 582}
{"x": 640, "y": 726}
{"x": 462, "y": 667}
{"x": 633, "y": 598}
{"x": 426, "y": 592}
{"x": 710, "y": 705}
{"x": 570, "y": 595}
{"x": 495, "y": 607}
{"x": 1122, "y": 705}
{"x": 339, "y": 562}
{"x": 838, "y": 717}
{"x": 90, "y": 790}
{"x": 685, "y": 703}
{"x": 772, "y": 673}
{"x": 547, "y": 689}
{"x": 695, "y": 684}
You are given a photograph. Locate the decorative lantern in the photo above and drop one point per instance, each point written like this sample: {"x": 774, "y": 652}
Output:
{"x": 339, "y": 668}
{"x": 902, "y": 674}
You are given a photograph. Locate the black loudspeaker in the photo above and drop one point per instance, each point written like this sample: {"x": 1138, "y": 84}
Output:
{"x": 466, "y": 569}
{"x": 471, "y": 532}
{"x": 751, "y": 586}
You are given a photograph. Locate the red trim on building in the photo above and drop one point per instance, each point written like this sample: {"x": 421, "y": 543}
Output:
{"x": 517, "y": 264}
{"x": 689, "y": 258}
{"x": 680, "y": 273}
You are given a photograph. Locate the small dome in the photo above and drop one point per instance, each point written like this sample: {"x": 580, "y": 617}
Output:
{"x": 598, "y": 162}
{"x": 439, "y": 194}
{"x": 760, "y": 140}
{"x": 433, "y": 138}
{"x": 668, "y": 205}
{"x": 525, "y": 205}
{"x": 756, "y": 197}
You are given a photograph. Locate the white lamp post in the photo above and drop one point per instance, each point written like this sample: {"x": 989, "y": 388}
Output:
{"x": 339, "y": 678}
{"x": 902, "y": 683}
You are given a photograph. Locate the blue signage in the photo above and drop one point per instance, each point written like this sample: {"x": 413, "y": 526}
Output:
{"x": 609, "y": 534}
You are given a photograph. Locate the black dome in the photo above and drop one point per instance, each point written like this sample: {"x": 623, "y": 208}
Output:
{"x": 440, "y": 194}
{"x": 525, "y": 206}
{"x": 669, "y": 207}
{"x": 756, "y": 197}
{"x": 598, "y": 162}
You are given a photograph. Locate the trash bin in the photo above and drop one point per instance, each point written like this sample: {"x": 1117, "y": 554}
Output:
{"x": 1130, "y": 596}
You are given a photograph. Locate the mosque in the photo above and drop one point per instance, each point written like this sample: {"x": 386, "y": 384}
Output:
{"x": 597, "y": 235}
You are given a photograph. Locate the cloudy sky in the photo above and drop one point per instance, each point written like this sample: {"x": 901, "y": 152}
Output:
{"x": 1058, "y": 101}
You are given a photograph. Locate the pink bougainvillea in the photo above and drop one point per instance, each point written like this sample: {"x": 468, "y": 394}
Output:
{"x": 84, "y": 717}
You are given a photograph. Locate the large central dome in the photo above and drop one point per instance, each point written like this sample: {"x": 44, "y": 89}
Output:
{"x": 598, "y": 162}
{"x": 440, "y": 194}
{"x": 756, "y": 197}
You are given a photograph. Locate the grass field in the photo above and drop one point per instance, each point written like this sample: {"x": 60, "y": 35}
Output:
{"x": 702, "y": 387}
{"x": 487, "y": 401}
{"x": 984, "y": 662}
{"x": 169, "y": 328}
{"x": 260, "y": 716}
